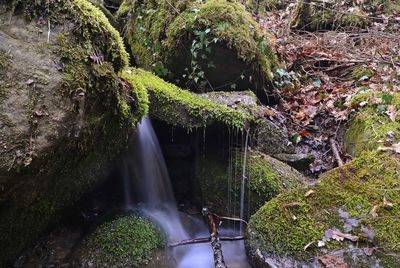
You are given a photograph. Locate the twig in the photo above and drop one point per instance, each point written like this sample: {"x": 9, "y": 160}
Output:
{"x": 205, "y": 240}
{"x": 335, "y": 151}
{"x": 48, "y": 32}
{"x": 388, "y": 190}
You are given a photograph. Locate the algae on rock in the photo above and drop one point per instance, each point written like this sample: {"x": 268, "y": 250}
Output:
{"x": 288, "y": 230}
{"x": 64, "y": 114}
{"x": 167, "y": 37}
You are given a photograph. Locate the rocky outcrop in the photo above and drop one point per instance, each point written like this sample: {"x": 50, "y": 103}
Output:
{"x": 65, "y": 115}
{"x": 350, "y": 216}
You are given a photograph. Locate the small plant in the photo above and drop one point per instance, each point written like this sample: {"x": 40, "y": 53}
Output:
{"x": 288, "y": 80}
{"x": 200, "y": 50}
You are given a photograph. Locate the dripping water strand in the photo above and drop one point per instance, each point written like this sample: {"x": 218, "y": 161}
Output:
{"x": 235, "y": 175}
{"x": 229, "y": 172}
{"x": 242, "y": 189}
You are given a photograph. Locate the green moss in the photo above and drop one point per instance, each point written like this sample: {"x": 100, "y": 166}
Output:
{"x": 311, "y": 17}
{"x": 360, "y": 72}
{"x": 158, "y": 34}
{"x": 264, "y": 7}
{"x": 353, "y": 188}
{"x": 180, "y": 107}
{"x": 370, "y": 126}
{"x": 126, "y": 241}
{"x": 266, "y": 178}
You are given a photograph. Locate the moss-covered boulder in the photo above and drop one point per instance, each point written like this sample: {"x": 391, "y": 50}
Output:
{"x": 324, "y": 16}
{"x": 352, "y": 214}
{"x": 128, "y": 241}
{"x": 374, "y": 122}
{"x": 64, "y": 114}
{"x": 265, "y": 7}
{"x": 211, "y": 44}
{"x": 220, "y": 177}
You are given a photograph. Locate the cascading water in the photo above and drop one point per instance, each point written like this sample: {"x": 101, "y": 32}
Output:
{"x": 145, "y": 164}
{"x": 152, "y": 183}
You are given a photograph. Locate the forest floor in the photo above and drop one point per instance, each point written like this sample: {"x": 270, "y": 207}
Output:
{"x": 322, "y": 73}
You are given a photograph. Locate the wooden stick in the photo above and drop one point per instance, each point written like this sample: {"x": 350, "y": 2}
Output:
{"x": 215, "y": 240}
{"x": 204, "y": 240}
{"x": 336, "y": 152}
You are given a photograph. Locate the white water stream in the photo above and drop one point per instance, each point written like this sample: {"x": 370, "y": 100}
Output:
{"x": 146, "y": 167}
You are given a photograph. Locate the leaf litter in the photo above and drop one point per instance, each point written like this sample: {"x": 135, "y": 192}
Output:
{"x": 318, "y": 81}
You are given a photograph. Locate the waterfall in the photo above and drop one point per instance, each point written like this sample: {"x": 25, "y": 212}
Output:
{"x": 145, "y": 164}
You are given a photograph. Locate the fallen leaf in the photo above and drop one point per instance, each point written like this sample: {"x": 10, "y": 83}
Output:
{"x": 339, "y": 236}
{"x": 373, "y": 211}
{"x": 369, "y": 251}
{"x": 369, "y": 234}
{"x": 332, "y": 262}
{"x": 309, "y": 193}
{"x": 391, "y": 112}
{"x": 269, "y": 112}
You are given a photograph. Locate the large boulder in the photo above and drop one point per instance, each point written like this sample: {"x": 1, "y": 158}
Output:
{"x": 127, "y": 241}
{"x": 351, "y": 218}
{"x": 220, "y": 178}
{"x": 64, "y": 115}
{"x": 211, "y": 44}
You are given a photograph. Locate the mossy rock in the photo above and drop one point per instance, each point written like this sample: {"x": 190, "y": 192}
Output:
{"x": 220, "y": 176}
{"x": 128, "y": 241}
{"x": 264, "y": 7}
{"x": 324, "y": 16}
{"x": 165, "y": 37}
{"x": 182, "y": 108}
{"x": 64, "y": 115}
{"x": 370, "y": 126}
{"x": 287, "y": 230}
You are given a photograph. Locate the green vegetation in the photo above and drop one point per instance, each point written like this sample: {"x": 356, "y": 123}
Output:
{"x": 286, "y": 224}
{"x": 182, "y": 108}
{"x": 127, "y": 241}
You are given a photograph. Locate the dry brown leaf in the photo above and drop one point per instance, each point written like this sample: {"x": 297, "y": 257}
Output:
{"x": 332, "y": 262}
{"x": 373, "y": 211}
{"x": 396, "y": 147}
{"x": 391, "y": 112}
{"x": 339, "y": 236}
{"x": 269, "y": 112}
{"x": 309, "y": 193}
{"x": 369, "y": 251}
{"x": 309, "y": 244}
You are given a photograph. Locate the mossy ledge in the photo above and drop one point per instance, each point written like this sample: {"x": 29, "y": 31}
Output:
{"x": 127, "y": 241}
{"x": 182, "y": 108}
{"x": 281, "y": 230}
{"x": 67, "y": 114}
